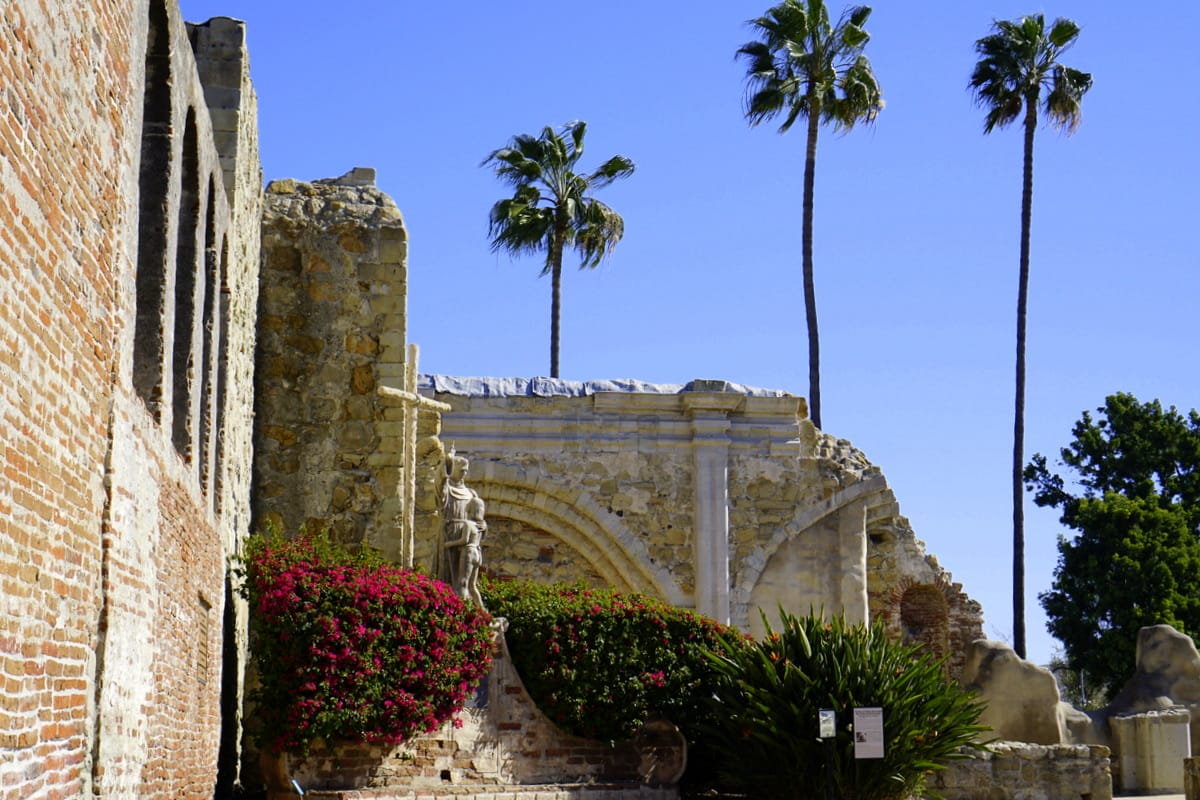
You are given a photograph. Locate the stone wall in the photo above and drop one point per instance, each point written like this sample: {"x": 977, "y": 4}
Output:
{"x": 331, "y": 332}
{"x": 1017, "y": 771}
{"x": 125, "y": 339}
{"x": 710, "y": 496}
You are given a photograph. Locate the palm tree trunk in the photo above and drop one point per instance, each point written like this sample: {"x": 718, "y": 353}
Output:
{"x": 810, "y": 291}
{"x": 556, "y": 256}
{"x": 1018, "y": 494}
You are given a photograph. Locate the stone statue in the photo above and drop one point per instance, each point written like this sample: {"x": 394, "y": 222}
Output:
{"x": 460, "y": 552}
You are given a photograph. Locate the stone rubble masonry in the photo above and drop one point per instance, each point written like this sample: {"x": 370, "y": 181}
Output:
{"x": 116, "y": 519}
{"x": 331, "y": 331}
{"x": 604, "y": 488}
{"x": 1020, "y": 771}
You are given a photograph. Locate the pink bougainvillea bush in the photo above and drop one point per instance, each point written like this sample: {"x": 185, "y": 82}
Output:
{"x": 349, "y": 647}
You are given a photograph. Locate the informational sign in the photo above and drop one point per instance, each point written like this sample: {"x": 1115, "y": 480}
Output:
{"x": 827, "y": 718}
{"x": 868, "y": 733}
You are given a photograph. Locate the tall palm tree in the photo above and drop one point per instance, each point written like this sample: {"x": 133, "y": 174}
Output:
{"x": 804, "y": 66}
{"x": 552, "y": 207}
{"x": 1018, "y": 72}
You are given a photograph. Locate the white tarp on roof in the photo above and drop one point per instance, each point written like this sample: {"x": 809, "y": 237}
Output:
{"x": 557, "y": 387}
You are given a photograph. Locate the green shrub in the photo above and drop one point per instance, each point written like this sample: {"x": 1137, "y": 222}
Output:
{"x": 348, "y": 646}
{"x": 770, "y": 692}
{"x": 600, "y": 664}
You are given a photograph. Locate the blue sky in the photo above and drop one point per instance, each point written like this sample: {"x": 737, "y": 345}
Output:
{"x": 916, "y": 231}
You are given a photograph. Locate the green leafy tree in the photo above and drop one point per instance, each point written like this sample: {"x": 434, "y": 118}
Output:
{"x": 552, "y": 207}
{"x": 1019, "y": 74}
{"x": 803, "y": 66}
{"x": 768, "y": 700}
{"x": 1135, "y": 559}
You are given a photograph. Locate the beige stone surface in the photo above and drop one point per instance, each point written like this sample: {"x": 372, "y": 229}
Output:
{"x": 1151, "y": 748}
{"x": 1022, "y": 771}
{"x": 1167, "y": 672}
{"x": 1022, "y": 698}
{"x": 331, "y": 450}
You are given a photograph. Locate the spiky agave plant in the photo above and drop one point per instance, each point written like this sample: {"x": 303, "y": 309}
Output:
{"x": 770, "y": 692}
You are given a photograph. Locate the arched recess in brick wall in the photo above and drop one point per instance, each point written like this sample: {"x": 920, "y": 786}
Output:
{"x": 914, "y": 610}
{"x": 209, "y": 331}
{"x": 925, "y": 618}
{"x": 154, "y": 174}
{"x": 597, "y": 535}
{"x": 221, "y": 391}
{"x": 183, "y": 371}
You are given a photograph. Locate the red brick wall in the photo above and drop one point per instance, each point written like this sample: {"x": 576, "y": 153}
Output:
{"x": 64, "y": 117}
{"x": 112, "y": 556}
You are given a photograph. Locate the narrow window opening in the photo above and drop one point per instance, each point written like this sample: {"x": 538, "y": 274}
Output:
{"x": 183, "y": 373}
{"x": 209, "y": 330}
{"x": 222, "y": 387}
{"x": 153, "y": 182}
{"x": 202, "y": 633}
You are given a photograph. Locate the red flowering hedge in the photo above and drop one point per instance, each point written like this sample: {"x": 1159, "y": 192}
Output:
{"x": 348, "y": 646}
{"x": 600, "y": 664}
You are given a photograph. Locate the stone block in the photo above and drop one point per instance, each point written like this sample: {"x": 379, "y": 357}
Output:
{"x": 1191, "y": 778}
{"x": 1152, "y": 747}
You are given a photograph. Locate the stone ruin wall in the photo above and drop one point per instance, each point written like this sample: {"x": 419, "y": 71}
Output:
{"x": 126, "y": 342}
{"x": 603, "y": 495}
{"x": 332, "y": 332}
{"x": 579, "y": 488}
{"x": 1028, "y": 772}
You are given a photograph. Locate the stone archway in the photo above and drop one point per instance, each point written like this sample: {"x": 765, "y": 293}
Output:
{"x": 598, "y": 536}
{"x": 818, "y": 561}
{"x": 517, "y": 549}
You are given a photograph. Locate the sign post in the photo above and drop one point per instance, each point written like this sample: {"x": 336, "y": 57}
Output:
{"x": 868, "y": 732}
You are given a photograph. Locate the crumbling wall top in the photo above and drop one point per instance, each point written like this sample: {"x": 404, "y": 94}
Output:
{"x": 352, "y": 198}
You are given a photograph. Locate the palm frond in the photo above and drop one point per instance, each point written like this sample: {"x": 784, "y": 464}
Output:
{"x": 1064, "y": 99}
{"x": 1019, "y": 59}
{"x": 801, "y": 65}
{"x": 542, "y": 171}
{"x": 614, "y": 169}
{"x": 1063, "y": 33}
{"x": 598, "y": 233}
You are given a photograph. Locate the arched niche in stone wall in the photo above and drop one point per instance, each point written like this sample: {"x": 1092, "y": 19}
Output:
{"x": 521, "y": 550}
{"x": 187, "y": 288}
{"x": 597, "y": 537}
{"x": 817, "y": 562}
{"x": 797, "y": 577}
{"x": 936, "y": 613}
{"x": 154, "y": 174}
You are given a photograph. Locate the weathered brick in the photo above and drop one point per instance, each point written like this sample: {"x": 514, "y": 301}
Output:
{"x": 71, "y": 143}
